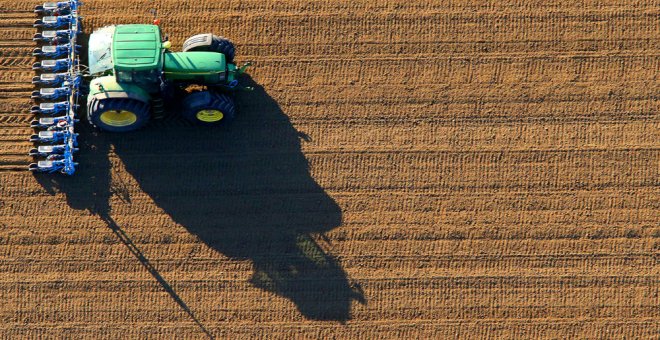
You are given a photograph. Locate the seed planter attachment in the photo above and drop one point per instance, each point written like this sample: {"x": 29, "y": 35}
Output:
{"x": 58, "y": 87}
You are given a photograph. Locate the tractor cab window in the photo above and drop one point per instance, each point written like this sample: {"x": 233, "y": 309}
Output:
{"x": 137, "y": 77}
{"x": 146, "y": 77}
{"x": 149, "y": 80}
{"x": 125, "y": 76}
{"x": 100, "y": 50}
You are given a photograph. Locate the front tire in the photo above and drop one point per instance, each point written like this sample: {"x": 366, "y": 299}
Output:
{"x": 210, "y": 43}
{"x": 209, "y": 108}
{"x": 117, "y": 114}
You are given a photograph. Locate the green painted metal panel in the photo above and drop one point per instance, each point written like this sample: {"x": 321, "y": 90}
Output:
{"x": 129, "y": 46}
{"x": 137, "y": 48}
{"x": 134, "y": 54}
{"x": 201, "y": 67}
{"x": 110, "y": 86}
{"x": 133, "y": 35}
{"x": 231, "y": 72}
{"x": 185, "y": 62}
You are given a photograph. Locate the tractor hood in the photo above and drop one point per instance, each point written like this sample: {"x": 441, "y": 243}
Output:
{"x": 203, "y": 67}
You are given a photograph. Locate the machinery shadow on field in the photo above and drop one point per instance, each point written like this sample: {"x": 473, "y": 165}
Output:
{"x": 244, "y": 189}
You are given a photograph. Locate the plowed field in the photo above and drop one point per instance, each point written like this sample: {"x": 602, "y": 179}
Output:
{"x": 404, "y": 169}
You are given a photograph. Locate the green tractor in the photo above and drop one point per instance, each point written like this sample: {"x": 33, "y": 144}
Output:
{"x": 133, "y": 72}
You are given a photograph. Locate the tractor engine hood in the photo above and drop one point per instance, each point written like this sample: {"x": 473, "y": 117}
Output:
{"x": 200, "y": 67}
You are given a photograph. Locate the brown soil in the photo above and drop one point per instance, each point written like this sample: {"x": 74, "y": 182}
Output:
{"x": 404, "y": 169}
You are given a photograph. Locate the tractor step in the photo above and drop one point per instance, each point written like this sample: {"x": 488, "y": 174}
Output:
{"x": 158, "y": 108}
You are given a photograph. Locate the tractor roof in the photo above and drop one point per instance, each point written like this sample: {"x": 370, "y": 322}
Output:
{"x": 137, "y": 47}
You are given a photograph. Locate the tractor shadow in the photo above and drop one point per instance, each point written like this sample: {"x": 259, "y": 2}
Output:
{"x": 245, "y": 190}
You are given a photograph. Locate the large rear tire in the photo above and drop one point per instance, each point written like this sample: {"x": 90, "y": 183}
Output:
{"x": 210, "y": 43}
{"x": 209, "y": 108}
{"x": 117, "y": 114}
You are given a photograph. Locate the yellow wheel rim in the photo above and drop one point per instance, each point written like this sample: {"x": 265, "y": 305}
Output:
{"x": 210, "y": 116}
{"x": 118, "y": 118}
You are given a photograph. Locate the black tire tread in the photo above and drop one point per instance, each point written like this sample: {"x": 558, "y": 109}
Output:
{"x": 201, "y": 100}
{"x": 96, "y": 107}
{"x": 218, "y": 44}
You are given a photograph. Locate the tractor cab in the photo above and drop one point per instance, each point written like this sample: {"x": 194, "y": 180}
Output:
{"x": 131, "y": 53}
